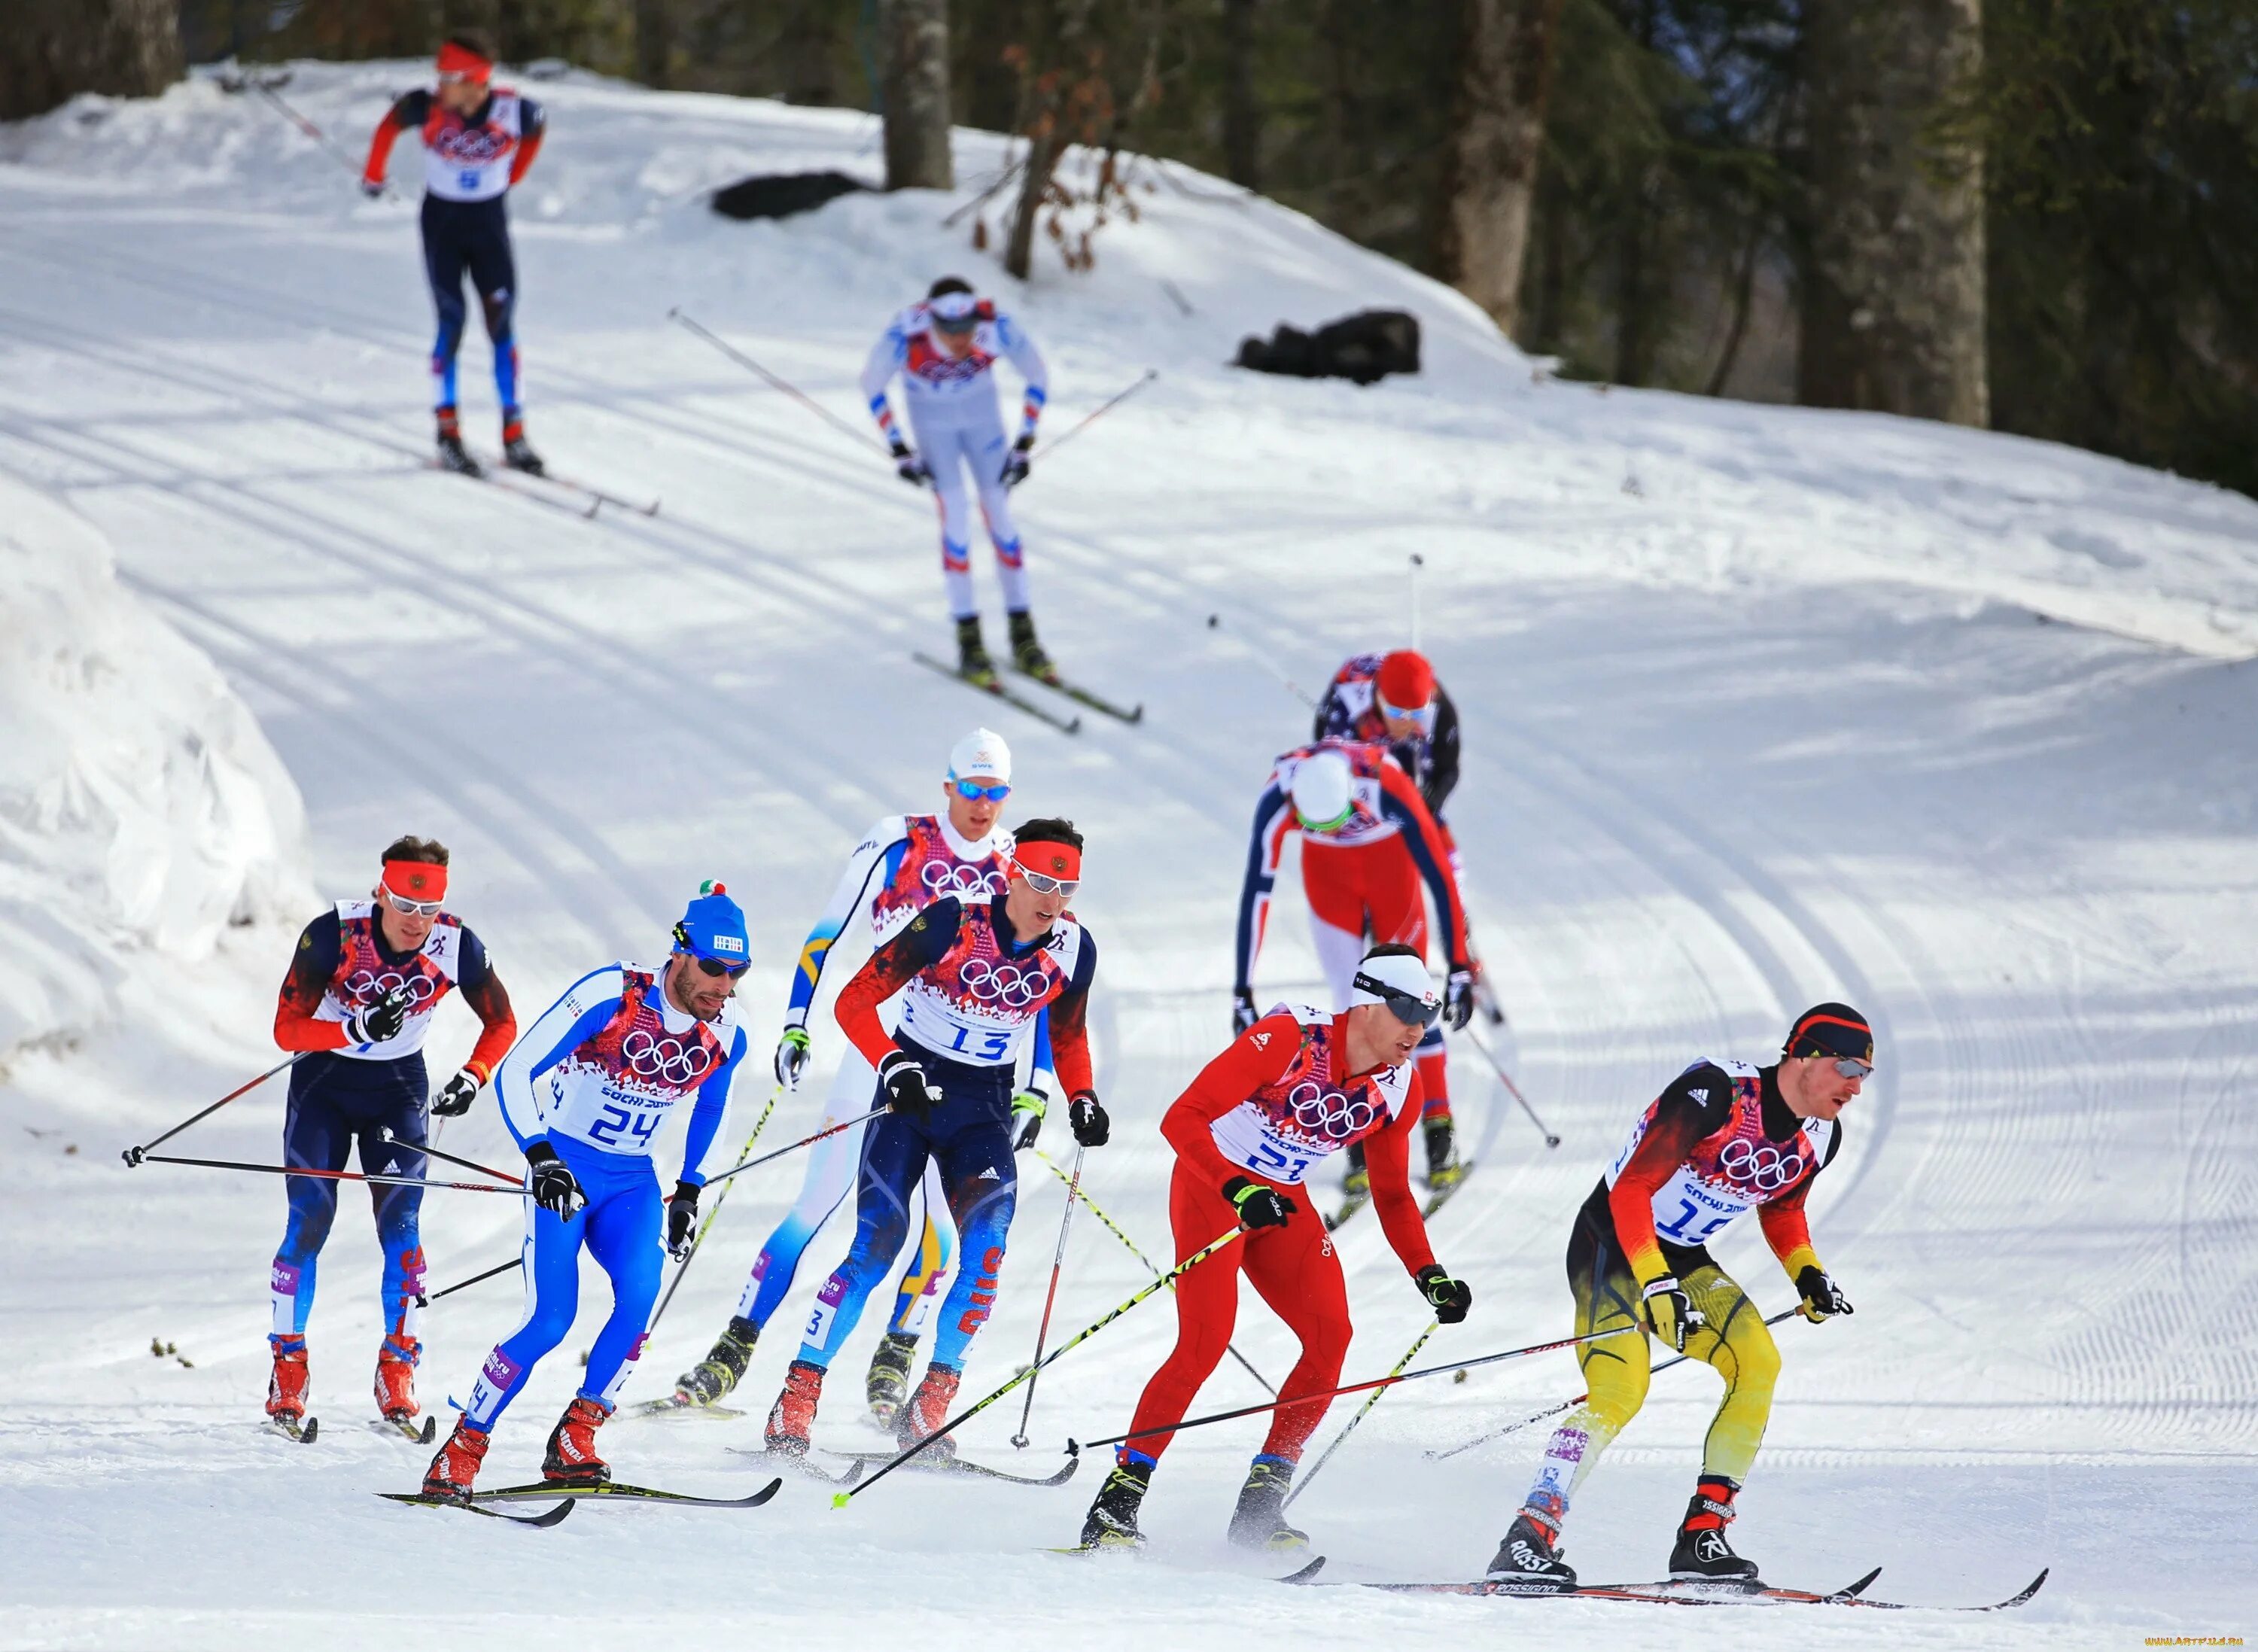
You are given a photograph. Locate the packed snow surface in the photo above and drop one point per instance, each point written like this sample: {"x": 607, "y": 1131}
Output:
{"x": 1762, "y": 706}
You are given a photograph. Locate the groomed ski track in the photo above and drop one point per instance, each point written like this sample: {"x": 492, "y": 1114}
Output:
{"x": 1784, "y": 723}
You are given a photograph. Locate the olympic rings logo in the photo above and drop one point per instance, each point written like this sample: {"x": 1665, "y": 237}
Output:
{"x": 954, "y": 877}
{"x": 1331, "y": 1112}
{"x": 668, "y": 1058}
{"x": 1764, "y": 1168}
{"x": 367, "y": 986}
{"x": 1001, "y": 984}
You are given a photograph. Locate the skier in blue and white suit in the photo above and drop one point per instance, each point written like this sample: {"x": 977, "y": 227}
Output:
{"x": 945, "y": 350}
{"x": 583, "y": 1092}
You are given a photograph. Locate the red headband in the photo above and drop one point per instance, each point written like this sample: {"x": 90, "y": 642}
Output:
{"x": 457, "y": 63}
{"x": 1049, "y": 860}
{"x": 415, "y": 880}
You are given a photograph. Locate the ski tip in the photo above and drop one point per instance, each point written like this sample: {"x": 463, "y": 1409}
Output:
{"x": 1305, "y": 1573}
{"x": 313, "y": 1428}
{"x": 430, "y": 1431}
{"x": 1064, "y": 1474}
{"x": 1851, "y": 1592}
{"x": 764, "y": 1493}
{"x": 2027, "y": 1591}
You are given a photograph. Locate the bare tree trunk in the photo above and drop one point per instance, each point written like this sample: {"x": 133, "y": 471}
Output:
{"x": 52, "y": 50}
{"x": 1242, "y": 113}
{"x": 1893, "y": 303}
{"x": 1058, "y": 27}
{"x": 915, "y": 47}
{"x": 1497, "y": 139}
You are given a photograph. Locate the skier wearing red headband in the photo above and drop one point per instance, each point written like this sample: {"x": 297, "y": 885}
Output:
{"x": 358, "y": 1004}
{"x": 478, "y": 141}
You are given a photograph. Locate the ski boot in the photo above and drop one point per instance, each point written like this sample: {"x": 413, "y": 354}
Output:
{"x": 711, "y": 1377}
{"x": 888, "y": 1384}
{"x": 456, "y": 1466}
{"x": 793, "y": 1418}
{"x": 1260, "y": 1519}
{"x": 1528, "y": 1557}
{"x": 517, "y": 453}
{"x": 1112, "y": 1522}
{"x": 1026, "y": 653}
{"x": 1701, "y": 1554}
{"x": 1444, "y": 1170}
{"x": 1356, "y": 1181}
{"x": 972, "y": 662}
{"x": 285, "y": 1388}
{"x": 572, "y": 1459}
{"x": 927, "y": 1410}
{"x": 453, "y": 456}
{"x": 396, "y": 1381}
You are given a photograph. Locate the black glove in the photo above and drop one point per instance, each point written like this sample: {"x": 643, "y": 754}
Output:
{"x": 554, "y": 1189}
{"x": 1015, "y": 462}
{"x": 1459, "y": 997}
{"x": 908, "y": 466}
{"x": 681, "y": 1216}
{"x": 1671, "y": 1311}
{"x": 1823, "y": 1297}
{"x": 374, "y": 1023}
{"x": 1449, "y": 1298}
{"x": 1243, "y": 1012}
{"x": 1029, "y": 1107}
{"x": 1258, "y": 1206}
{"x": 790, "y": 1056}
{"x": 1085, "y": 1115}
{"x": 906, "y": 1089}
{"x": 456, "y": 1095}
{"x": 371, "y": 187}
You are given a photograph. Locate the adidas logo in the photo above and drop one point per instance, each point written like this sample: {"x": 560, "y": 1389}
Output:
{"x": 391, "y": 1167}
{"x": 988, "y": 1175}
{"x": 1700, "y": 1095}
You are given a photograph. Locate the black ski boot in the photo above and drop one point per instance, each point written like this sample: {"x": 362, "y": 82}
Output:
{"x": 1528, "y": 1561}
{"x": 1112, "y": 1522}
{"x": 1026, "y": 653}
{"x": 517, "y": 453}
{"x": 1444, "y": 1170}
{"x": 888, "y": 1384}
{"x": 453, "y": 456}
{"x": 1356, "y": 1181}
{"x": 711, "y": 1377}
{"x": 1701, "y": 1554}
{"x": 972, "y": 662}
{"x": 1260, "y": 1519}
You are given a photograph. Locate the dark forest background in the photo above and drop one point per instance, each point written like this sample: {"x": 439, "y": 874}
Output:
{"x": 2037, "y": 215}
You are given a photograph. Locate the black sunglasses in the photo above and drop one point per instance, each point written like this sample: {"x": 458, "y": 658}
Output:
{"x": 1411, "y": 1010}
{"x": 716, "y": 968}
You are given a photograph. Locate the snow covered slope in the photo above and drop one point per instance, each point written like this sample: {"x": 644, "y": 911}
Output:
{"x": 1763, "y": 706}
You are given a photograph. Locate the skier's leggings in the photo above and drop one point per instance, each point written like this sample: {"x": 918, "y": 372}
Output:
{"x": 1359, "y": 894}
{"x": 1733, "y": 1341}
{"x": 472, "y": 238}
{"x": 1296, "y": 1271}
{"x": 621, "y": 1227}
{"x": 336, "y": 1102}
{"x": 971, "y": 439}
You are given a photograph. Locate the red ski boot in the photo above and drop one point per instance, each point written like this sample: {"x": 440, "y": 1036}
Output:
{"x": 927, "y": 1410}
{"x": 793, "y": 1418}
{"x": 451, "y": 1472}
{"x": 285, "y": 1389}
{"x": 395, "y": 1383}
{"x": 572, "y": 1459}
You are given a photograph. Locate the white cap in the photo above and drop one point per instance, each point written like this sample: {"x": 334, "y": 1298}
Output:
{"x": 1397, "y": 972}
{"x": 982, "y": 752}
{"x": 954, "y": 307}
{"x": 1322, "y": 790}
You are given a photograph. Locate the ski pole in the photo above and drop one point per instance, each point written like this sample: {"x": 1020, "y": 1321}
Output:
{"x": 1506, "y": 1078}
{"x": 699, "y": 1238}
{"x": 336, "y": 1175}
{"x": 1074, "y": 1447}
{"x": 791, "y": 1147}
{"x": 1104, "y": 408}
{"x": 1043, "y": 1330}
{"x": 444, "y": 1158}
{"x": 1362, "y": 1412}
{"x": 1568, "y": 1405}
{"x": 1417, "y": 563}
{"x": 135, "y": 1155}
{"x": 464, "y": 1285}
{"x": 791, "y": 390}
{"x": 310, "y": 128}
{"x": 1114, "y": 1227}
{"x": 1182, "y": 1268}
{"x": 1215, "y": 623}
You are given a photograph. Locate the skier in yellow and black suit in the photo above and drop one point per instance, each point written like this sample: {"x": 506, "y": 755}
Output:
{"x": 1722, "y": 1140}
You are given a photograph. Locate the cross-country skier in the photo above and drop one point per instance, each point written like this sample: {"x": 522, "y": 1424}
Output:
{"x": 585, "y": 1092}
{"x": 944, "y": 349}
{"x": 1722, "y": 1138}
{"x": 1296, "y": 1086}
{"x": 1368, "y": 843}
{"x": 904, "y": 862}
{"x": 973, "y": 976}
{"x": 359, "y": 998}
{"x": 478, "y": 141}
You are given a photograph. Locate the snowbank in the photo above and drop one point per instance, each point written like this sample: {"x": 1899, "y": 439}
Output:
{"x": 141, "y": 809}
